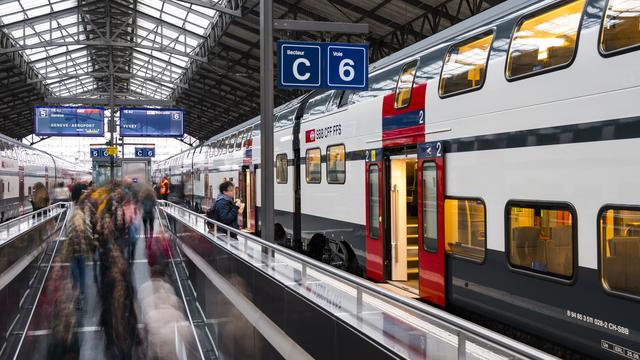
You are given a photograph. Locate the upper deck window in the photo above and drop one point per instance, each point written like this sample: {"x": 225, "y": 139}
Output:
{"x": 545, "y": 40}
{"x": 405, "y": 84}
{"x": 621, "y": 26}
{"x": 465, "y": 65}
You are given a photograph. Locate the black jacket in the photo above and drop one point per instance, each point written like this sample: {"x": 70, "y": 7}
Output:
{"x": 225, "y": 212}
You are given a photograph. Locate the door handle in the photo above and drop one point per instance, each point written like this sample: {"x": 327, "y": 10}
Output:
{"x": 394, "y": 218}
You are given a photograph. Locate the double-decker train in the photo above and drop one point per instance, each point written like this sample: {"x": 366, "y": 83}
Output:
{"x": 21, "y": 166}
{"x": 492, "y": 167}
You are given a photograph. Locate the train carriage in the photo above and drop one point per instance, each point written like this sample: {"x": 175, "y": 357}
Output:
{"x": 21, "y": 167}
{"x": 490, "y": 168}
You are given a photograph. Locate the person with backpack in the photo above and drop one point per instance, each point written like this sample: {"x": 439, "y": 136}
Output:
{"x": 226, "y": 210}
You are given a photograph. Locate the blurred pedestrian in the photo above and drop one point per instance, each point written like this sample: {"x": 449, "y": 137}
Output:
{"x": 148, "y": 199}
{"x": 131, "y": 218}
{"x": 78, "y": 237}
{"x": 61, "y": 193}
{"x": 64, "y": 343}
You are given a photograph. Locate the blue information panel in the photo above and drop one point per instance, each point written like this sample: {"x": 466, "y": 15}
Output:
{"x": 311, "y": 65}
{"x": 151, "y": 122}
{"x": 68, "y": 121}
{"x": 145, "y": 152}
{"x": 99, "y": 152}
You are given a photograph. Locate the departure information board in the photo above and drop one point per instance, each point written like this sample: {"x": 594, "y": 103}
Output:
{"x": 68, "y": 121}
{"x": 151, "y": 122}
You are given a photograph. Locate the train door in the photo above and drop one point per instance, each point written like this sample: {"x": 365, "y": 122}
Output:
{"x": 207, "y": 203}
{"x": 431, "y": 222}
{"x": 21, "y": 188}
{"x": 246, "y": 195}
{"x": 375, "y": 247}
{"x": 403, "y": 211}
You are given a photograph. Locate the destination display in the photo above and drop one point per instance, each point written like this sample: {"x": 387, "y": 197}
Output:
{"x": 68, "y": 121}
{"x": 151, "y": 122}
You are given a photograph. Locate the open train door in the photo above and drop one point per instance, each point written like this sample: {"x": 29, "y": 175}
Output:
{"x": 431, "y": 251}
{"x": 374, "y": 210}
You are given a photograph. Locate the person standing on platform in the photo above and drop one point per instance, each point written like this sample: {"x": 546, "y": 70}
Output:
{"x": 165, "y": 186}
{"x": 76, "y": 248}
{"x": 148, "y": 207}
{"x": 61, "y": 193}
{"x": 226, "y": 210}
{"x": 39, "y": 197}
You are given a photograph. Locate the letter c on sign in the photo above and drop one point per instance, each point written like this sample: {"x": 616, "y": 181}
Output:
{"x": 296, "y": 73}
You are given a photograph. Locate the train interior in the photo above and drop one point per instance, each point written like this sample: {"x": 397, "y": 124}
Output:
{"x": 404, "y": 222}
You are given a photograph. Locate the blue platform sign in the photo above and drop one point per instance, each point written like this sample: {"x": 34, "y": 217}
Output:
{"x": 145, "y": 152}
{"x": 99, "y": 152}
{"x": 139, "y": 122}
{"x": 68, "y": 121}
{"x": 311, "y": 65}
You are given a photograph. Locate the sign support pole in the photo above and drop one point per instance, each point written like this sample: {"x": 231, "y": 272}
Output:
{"x": 266, "y": 120}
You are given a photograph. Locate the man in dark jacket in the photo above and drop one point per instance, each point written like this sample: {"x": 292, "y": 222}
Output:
{"x": 226, "y": 210}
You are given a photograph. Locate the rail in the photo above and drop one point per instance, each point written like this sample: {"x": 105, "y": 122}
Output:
{"x": 183, "y": 297}
{"x": 69, "y": 208}
{"x": 14, "y": 227}
{"x": 359, "y": 302}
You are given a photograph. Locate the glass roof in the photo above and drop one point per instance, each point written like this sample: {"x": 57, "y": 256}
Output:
{"x": 61, "y": 42}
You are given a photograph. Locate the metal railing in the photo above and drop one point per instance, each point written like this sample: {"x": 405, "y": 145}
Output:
{"x": 361, "y": 303}
{"x": 14, "y": 227}
{"x": 45, "y": 267}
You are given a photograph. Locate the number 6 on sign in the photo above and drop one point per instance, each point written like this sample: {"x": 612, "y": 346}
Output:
{"x": 346, "y": 66}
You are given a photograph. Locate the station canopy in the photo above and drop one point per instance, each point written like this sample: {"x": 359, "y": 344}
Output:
{"x": 198, "y": 55}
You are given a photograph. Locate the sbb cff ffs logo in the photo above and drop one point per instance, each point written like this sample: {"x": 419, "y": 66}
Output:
{"x": 323, "y": 133}
{"x": 310, "y": 136}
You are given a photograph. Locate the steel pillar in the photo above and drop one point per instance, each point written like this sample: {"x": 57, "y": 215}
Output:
{"x": 266, "y": 119}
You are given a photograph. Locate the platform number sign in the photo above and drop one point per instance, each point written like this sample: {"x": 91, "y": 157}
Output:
{"x": 145, "y": 152}
{"x": 311, "y": 65}
{"x": 99, "y": 152}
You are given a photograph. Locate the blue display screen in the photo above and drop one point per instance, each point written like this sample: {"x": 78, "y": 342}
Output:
{"x": 151, "y": 122}
{"x": 68, "y": 121}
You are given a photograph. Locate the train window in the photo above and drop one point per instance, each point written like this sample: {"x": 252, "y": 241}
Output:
{"x": 317, "y": 105}
{"x": 335, "y": 101}
{"x": 282, "y": 168}
{"x": 248, "y": 139}
{"x": 374, "y": 201}
{"x": 313, "y": 166}
{"x": 285, "y": 118}
{"x": 541, "y": 237}
{"x": 465, "y": 65}
{"x": 620, "y": 249}
{"x": 405, "y": 84}
{"x": 345, "y": 99}
{"x": 545, "y": 41}
{"x": 429, "y": 207}
{"x": 621, "y": 26}
{"x": 239, "y": 140}
{"x": 224, "y": 145}
{"x": 465, "y": 228}
{"x": 336, "y": 164}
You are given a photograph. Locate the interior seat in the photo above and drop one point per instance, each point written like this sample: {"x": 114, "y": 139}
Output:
{"x": 622, "y": 267}
{"x": 560, "y": 250}
{"x": 526, "y": 245}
